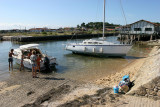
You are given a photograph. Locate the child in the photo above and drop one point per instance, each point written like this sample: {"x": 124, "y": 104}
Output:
{"x": 22, "y": 57}
{"x": 38, "y": 62}
{"x": 33, "y": 58}
{"x": 10, "y": 59}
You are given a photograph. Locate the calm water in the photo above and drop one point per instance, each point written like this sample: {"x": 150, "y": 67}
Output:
{"x": 75, "y": 66}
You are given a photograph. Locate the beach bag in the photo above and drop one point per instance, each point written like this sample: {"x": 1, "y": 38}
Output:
{"x": 125, "y": 88}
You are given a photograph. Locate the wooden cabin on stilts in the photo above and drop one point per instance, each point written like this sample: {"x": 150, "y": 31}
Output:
{"x": 141, "y": 30}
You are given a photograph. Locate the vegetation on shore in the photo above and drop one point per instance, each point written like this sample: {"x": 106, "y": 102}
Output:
{"x": 89, "y": 28}
{"x": 97, "y": 25}
{"x": 53, "y": 33}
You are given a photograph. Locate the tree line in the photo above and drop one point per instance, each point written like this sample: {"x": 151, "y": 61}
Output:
{"x": 97, "y": 25}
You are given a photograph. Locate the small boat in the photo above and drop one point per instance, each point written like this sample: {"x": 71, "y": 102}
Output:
{"x": 46, "y": 61}
{"x": 99, "y": 47}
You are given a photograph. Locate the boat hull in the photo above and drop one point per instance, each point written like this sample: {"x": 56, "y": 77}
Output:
{"x": 27, "y": 63}
{"x": 100, "y": 50}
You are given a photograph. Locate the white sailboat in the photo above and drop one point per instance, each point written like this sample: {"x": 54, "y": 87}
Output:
{"x": 99, "y": 47}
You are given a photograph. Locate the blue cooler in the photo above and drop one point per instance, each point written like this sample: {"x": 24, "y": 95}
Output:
{"x": 126, "y": 77}
{"x": 116, "y": 89}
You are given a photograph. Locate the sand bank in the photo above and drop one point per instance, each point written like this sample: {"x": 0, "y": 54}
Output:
{"x": 130, "y": 70}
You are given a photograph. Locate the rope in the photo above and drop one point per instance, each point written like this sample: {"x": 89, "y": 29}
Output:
{"x": 97, "y": 9}
{"x": 123, "y": 12}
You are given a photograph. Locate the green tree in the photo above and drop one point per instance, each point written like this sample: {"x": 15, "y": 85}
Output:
{"x": 98, "y": 25}
{"x": 78, "y": 26}
{"x": 83, "y": 24}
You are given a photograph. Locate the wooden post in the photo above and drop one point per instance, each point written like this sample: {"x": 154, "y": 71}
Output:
{"x": 121, "y": 37}
{"x": 127, "y": 37}
{"x": 151, "y": 37}
{"x": 131, "y": 39}
{"x": 134, "y": 37}
{"x": 138, "y": 37}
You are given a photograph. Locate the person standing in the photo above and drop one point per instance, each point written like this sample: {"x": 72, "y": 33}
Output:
{"x": 33, "y": 59}
{"x": 10, "y": 59}
{"x": 38, "y": 61}
{"x": 22, "y": 59}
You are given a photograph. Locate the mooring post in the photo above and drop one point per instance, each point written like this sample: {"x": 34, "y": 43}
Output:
{"x": 138, "y": 37}
{"x": 134, "y": 37}
{"x": 131, "y": 39}
{"x": 127, "y": 37}
{"x": 151, "y": 37}
{"x": 121, "y": 37}
{"x": 155, "y": 36}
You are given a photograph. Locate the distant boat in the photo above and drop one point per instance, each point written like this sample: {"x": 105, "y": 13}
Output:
{"x": 27, "y": 62}
{"x": 99, "y": 47}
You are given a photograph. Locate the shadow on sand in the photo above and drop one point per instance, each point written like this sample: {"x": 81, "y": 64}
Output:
{"x": 96, "y": 56}
{"x": 53, "y": 78}
{"x": 133, "y": 57}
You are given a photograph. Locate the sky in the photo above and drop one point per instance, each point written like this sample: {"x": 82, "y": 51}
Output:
{"x": 21, "y": 14}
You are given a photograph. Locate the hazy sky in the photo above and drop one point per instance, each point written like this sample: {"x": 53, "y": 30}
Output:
{"x": 69, "y": 13}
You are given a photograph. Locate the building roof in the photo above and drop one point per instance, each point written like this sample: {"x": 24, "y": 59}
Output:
{"x": 109, "y": 29}
{"x": 156, "y": 24}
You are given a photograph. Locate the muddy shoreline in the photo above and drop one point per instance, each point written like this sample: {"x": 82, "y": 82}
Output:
{"x": 23, "y": 90}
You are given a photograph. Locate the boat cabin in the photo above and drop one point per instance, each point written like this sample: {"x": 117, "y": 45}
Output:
{"x": 91, "y": 42}
{"x": 27, "y": 50}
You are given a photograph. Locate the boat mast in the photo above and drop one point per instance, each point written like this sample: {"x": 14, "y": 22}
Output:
{"x": 104, "y": 20}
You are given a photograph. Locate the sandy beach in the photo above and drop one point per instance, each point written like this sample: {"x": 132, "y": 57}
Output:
{"x": 21, "y": 90}
{"x": 130, "y": 70}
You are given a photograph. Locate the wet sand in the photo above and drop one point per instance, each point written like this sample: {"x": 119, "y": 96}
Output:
{"x": 21, "y": 89}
